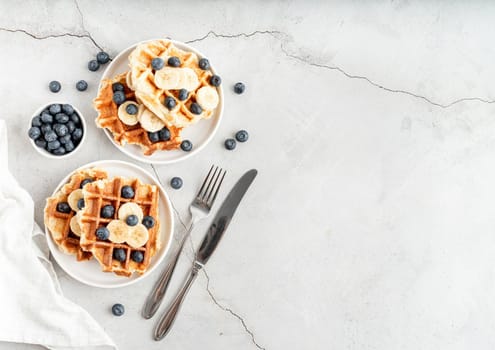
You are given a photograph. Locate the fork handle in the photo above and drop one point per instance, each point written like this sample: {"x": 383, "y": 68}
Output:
{"x": 158, "y": 292}
{"x": 168, "y": 318}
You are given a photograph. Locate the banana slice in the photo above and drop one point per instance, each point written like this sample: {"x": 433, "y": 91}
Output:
{"x": 119, "y": 231}
{"x": 128, "y": 80}
{"x": 74, "y": 226}
{"x": 207, "y": 97}
{"x": 150, "y": 122}
{"x": 138, "y": 236}
{"x": 168, "y": 78}
{"x": 73, "y": 198}
{"x": 188, "y": 79}
{"x": 130, "y": 209}
{"x": 126, "y": 118}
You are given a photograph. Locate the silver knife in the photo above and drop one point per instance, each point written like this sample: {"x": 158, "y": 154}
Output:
{"x": 207, "y": 247}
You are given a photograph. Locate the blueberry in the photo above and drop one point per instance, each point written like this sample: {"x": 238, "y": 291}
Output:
{"x": 63, "y": 207}
{"x": 186, "y": 145}
{"x": 164, "y": 134}
{"x": 34, "y": 132}
{"x": 53, "y": 145}
{"x": 173, "y": 61}
{"x": 102, "y": 233}
{"x": 81, "y": 85}
{"x": 127, "y": 192}
{"x": 170, "y": 102}
{"x": 80, "y": 203}
{"x": 59, "y": 151}
{"x": 61, "y": 129}
{"x": 196, "y": 108}
{"x": 71, "y": 126}
{"x": 131, "y": 109}
{"x": 154, "y": 136}
{"x": 132, "y": 220}
{"x": 46, "y": 118}
{"x": 230, "y": 144}
{"x": 67, "y": 109}
{"x": 241, "y": 136}
{"x": 118, "y": 97}
{"x": 54, "y": 86}
{"x": 204, "y": 64}
{"x": 148, "y": 221}
{"x": 107, "y": 211}
{"x": 77, "y": 134}
{"x": 75, "y": 118}
{"x": 183, "y": 94}
{"x": 55, "y": 108}
{"x": 137, "y": 256}
{"x": 239, "y": 88}
{"x": 117, "y": 87}
{"x": 118, "y": 309}
{"x": 119, "y": 254}
{"x": 176, "y": 183}
{"x": 157, "y": 63}
{"x": 50, "y": 136}
{"x": 40, "y": 143}
{"x": 86, "y": 181}
{"x": 45, "y": 128}
{"x": 69, "y": 146}
{"x": 102, "y": 57}
{"x": 61, "y": 118}
{"x": 64, "y": 139}
{"x": 93, "y": 65}
{"x": 215, "y": 80}
{"x": 36, "y": 121}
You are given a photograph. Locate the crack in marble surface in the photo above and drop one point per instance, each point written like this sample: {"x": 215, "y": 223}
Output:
{"x": 84, "y": 27}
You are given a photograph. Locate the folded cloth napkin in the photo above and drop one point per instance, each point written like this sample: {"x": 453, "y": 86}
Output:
{"x": 33, "y": 309}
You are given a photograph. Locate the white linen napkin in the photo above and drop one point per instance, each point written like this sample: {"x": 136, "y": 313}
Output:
{"x": 33, "y": 309}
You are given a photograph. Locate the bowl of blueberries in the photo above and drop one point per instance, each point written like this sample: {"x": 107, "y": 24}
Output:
{"x": 57, "y": 130}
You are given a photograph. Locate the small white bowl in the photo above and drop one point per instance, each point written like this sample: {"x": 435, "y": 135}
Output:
{"x": 43, "y": 151}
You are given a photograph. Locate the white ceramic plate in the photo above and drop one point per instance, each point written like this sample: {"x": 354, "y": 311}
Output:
{"x": 199, "y": 134}
{"x": 89, "y": 272}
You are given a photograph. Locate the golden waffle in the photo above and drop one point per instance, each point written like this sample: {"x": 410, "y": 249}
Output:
{"x": 101, "y": 193}
{"x": 58, "y": 224}
{"x": 143, "y": 80}
{"x": 122, "y": 133}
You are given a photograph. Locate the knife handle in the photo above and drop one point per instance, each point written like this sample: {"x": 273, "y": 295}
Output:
{"x": 168, "y": 318}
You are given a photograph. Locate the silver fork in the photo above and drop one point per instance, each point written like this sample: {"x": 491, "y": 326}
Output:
{"x": 199, "y": 208}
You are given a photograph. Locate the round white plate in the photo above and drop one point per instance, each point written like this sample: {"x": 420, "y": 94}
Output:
{"x": 89, "y": 272}
{"x": 199, "y": 134}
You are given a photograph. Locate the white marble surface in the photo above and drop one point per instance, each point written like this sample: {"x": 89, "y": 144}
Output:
{"x": 372, "y": 222}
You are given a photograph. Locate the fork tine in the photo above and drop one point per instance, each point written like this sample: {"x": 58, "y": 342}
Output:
{"x": 204, "y": 182}
{"x": 210, "y": 204}
{"x": 209, "y": 184}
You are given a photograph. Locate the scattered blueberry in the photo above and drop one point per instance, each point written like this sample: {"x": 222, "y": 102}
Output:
{"x": 230, "y": 144}
{"x": 59, "y": 151}
{"x": 127, "y": 192}
{"x": 157, "y": 63}
{"x": 164, "y": 134}
{"x": 154, "y": 136}
{"x": 183, "y": 94}
{"x": 186, "y": 145}
{"x": 71, "y": 126}
{"x": 64, "y": 139}
{"x": 86, "y": 181}
{"x": 132, "y": 220}
{"x": 40, "y": 143}
{"x": 67, "y": 109}
{"x": 118, "y": 309}
{"x": 170, "y": 102}
{"x": 69, "y": 146}
{"x": 131, "y": 108}
{"x": 61, "y": 118}
{"x": 102, "y": 57}
{"x": 107, "y": 211}
{"x": 196, "y": 108}
{"x": 117, "y": 87}
{"x": 148, "y": 221}
{"x": 239, "y": 88}
{"x": 63, "y": 207}
{"x": 102, "y": 233}
{"x": 61, "y": 129}
{"x": 50, "y": 136}
{"x": 93, "y": 65}
{"x": 176, "y": 183}
{"x": 81, "y": 85}
{"x": 54, "y": 86}
{"x": 34, "y": 132}
{"x": 46, "y": 128}
{"x": 241, "y": 136}
{"x": 173, "y": 61}
{"x": 53, "y": 145}
{"x": 80, "y": 203}
{"x": 77, "y": 134}
{"x": 119, "y": 254}
{"x": 215, "y": 80}
{"x": 75, "y": 118}
{"x": 46, "y": 118}
{"x": 137, "y": 256}
{"x": 118, "y": 97}
{"x": 204, "y": 64}
{"x": 36, "y": 121}
{"x": 55, "y": 108}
